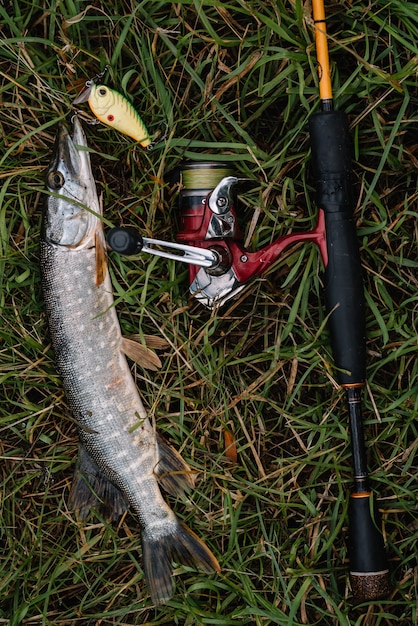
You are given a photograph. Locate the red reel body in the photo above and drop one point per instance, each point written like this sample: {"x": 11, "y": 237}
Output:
{"x": 207, "y": 219}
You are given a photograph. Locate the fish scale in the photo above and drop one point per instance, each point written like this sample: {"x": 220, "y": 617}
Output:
{"x": 83, "y": 358}
{"x": 121, "y": 458}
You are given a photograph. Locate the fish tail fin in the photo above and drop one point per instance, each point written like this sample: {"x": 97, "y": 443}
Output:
{"x": 180, "y": 545}
{"x": 91, "y": 489}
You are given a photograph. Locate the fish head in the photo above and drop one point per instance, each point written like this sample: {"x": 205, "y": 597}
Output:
{"x": 72, "y": 215}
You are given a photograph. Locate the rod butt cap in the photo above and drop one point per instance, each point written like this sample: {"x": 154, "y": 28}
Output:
{"x": 370, "y": 586}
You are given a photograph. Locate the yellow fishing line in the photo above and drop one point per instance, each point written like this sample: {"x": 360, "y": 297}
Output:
{"x": 203, "y": 176}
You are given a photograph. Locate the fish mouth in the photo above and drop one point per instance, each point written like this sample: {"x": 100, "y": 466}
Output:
{"x": 79, "y": 138}
{"x": 69, "y": 151}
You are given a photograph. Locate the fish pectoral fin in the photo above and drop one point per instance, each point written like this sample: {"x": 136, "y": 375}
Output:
{"x": 92, "y": 490}
{"x": 101, "y": 257}
{"x": 172, "y": 472}
{"x": 140, "y": 354}
{"x": 180, "y": 544}
{"x": 153, "y": 342}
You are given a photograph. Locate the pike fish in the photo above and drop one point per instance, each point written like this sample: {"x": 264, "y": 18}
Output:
{"x": 122, "y": 461}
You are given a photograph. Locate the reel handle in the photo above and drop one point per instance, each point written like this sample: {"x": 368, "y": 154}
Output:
{"x": 128, "y": 241}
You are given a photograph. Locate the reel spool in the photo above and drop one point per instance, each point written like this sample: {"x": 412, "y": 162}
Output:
{"x": 198, "y": 180}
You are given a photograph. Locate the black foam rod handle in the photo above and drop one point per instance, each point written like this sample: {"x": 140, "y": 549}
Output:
{"x": 344, "y": 297}
{"x": 369, "y": 571}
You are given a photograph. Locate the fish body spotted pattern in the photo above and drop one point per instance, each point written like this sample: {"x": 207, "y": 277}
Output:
{"x": 122, "y": 459}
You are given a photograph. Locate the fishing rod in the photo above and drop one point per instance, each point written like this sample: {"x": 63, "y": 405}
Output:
{"x": 344, "y": 301}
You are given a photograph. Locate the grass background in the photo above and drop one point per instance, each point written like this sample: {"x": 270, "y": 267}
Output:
{"x": 234, "y": 81}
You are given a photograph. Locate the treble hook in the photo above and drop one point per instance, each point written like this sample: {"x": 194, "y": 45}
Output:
{"x": 159, "y": 140}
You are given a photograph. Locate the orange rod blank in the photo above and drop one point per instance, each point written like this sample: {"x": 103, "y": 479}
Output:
{"x": 321, "y": 41}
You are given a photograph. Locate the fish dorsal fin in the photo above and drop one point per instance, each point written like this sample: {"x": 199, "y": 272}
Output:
{"x": 140, "y": 354}
{"x": 101, "y": 257}
{"x": 172, "y": 472}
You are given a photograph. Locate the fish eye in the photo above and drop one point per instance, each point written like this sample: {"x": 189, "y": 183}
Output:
{"x": 102, "y": 91}
{"x": 55, "y": 180}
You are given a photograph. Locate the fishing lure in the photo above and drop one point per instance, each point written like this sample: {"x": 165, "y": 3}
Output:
{"x": 114, "y": 110}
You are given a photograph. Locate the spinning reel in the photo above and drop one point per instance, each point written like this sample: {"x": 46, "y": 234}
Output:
{"x": 209, "y": 238}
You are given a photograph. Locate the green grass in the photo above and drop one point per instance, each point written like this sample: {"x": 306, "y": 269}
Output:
{"x": 236, "y": 81}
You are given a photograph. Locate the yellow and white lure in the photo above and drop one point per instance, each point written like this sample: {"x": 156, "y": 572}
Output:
{"x": 113, "y": 109}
